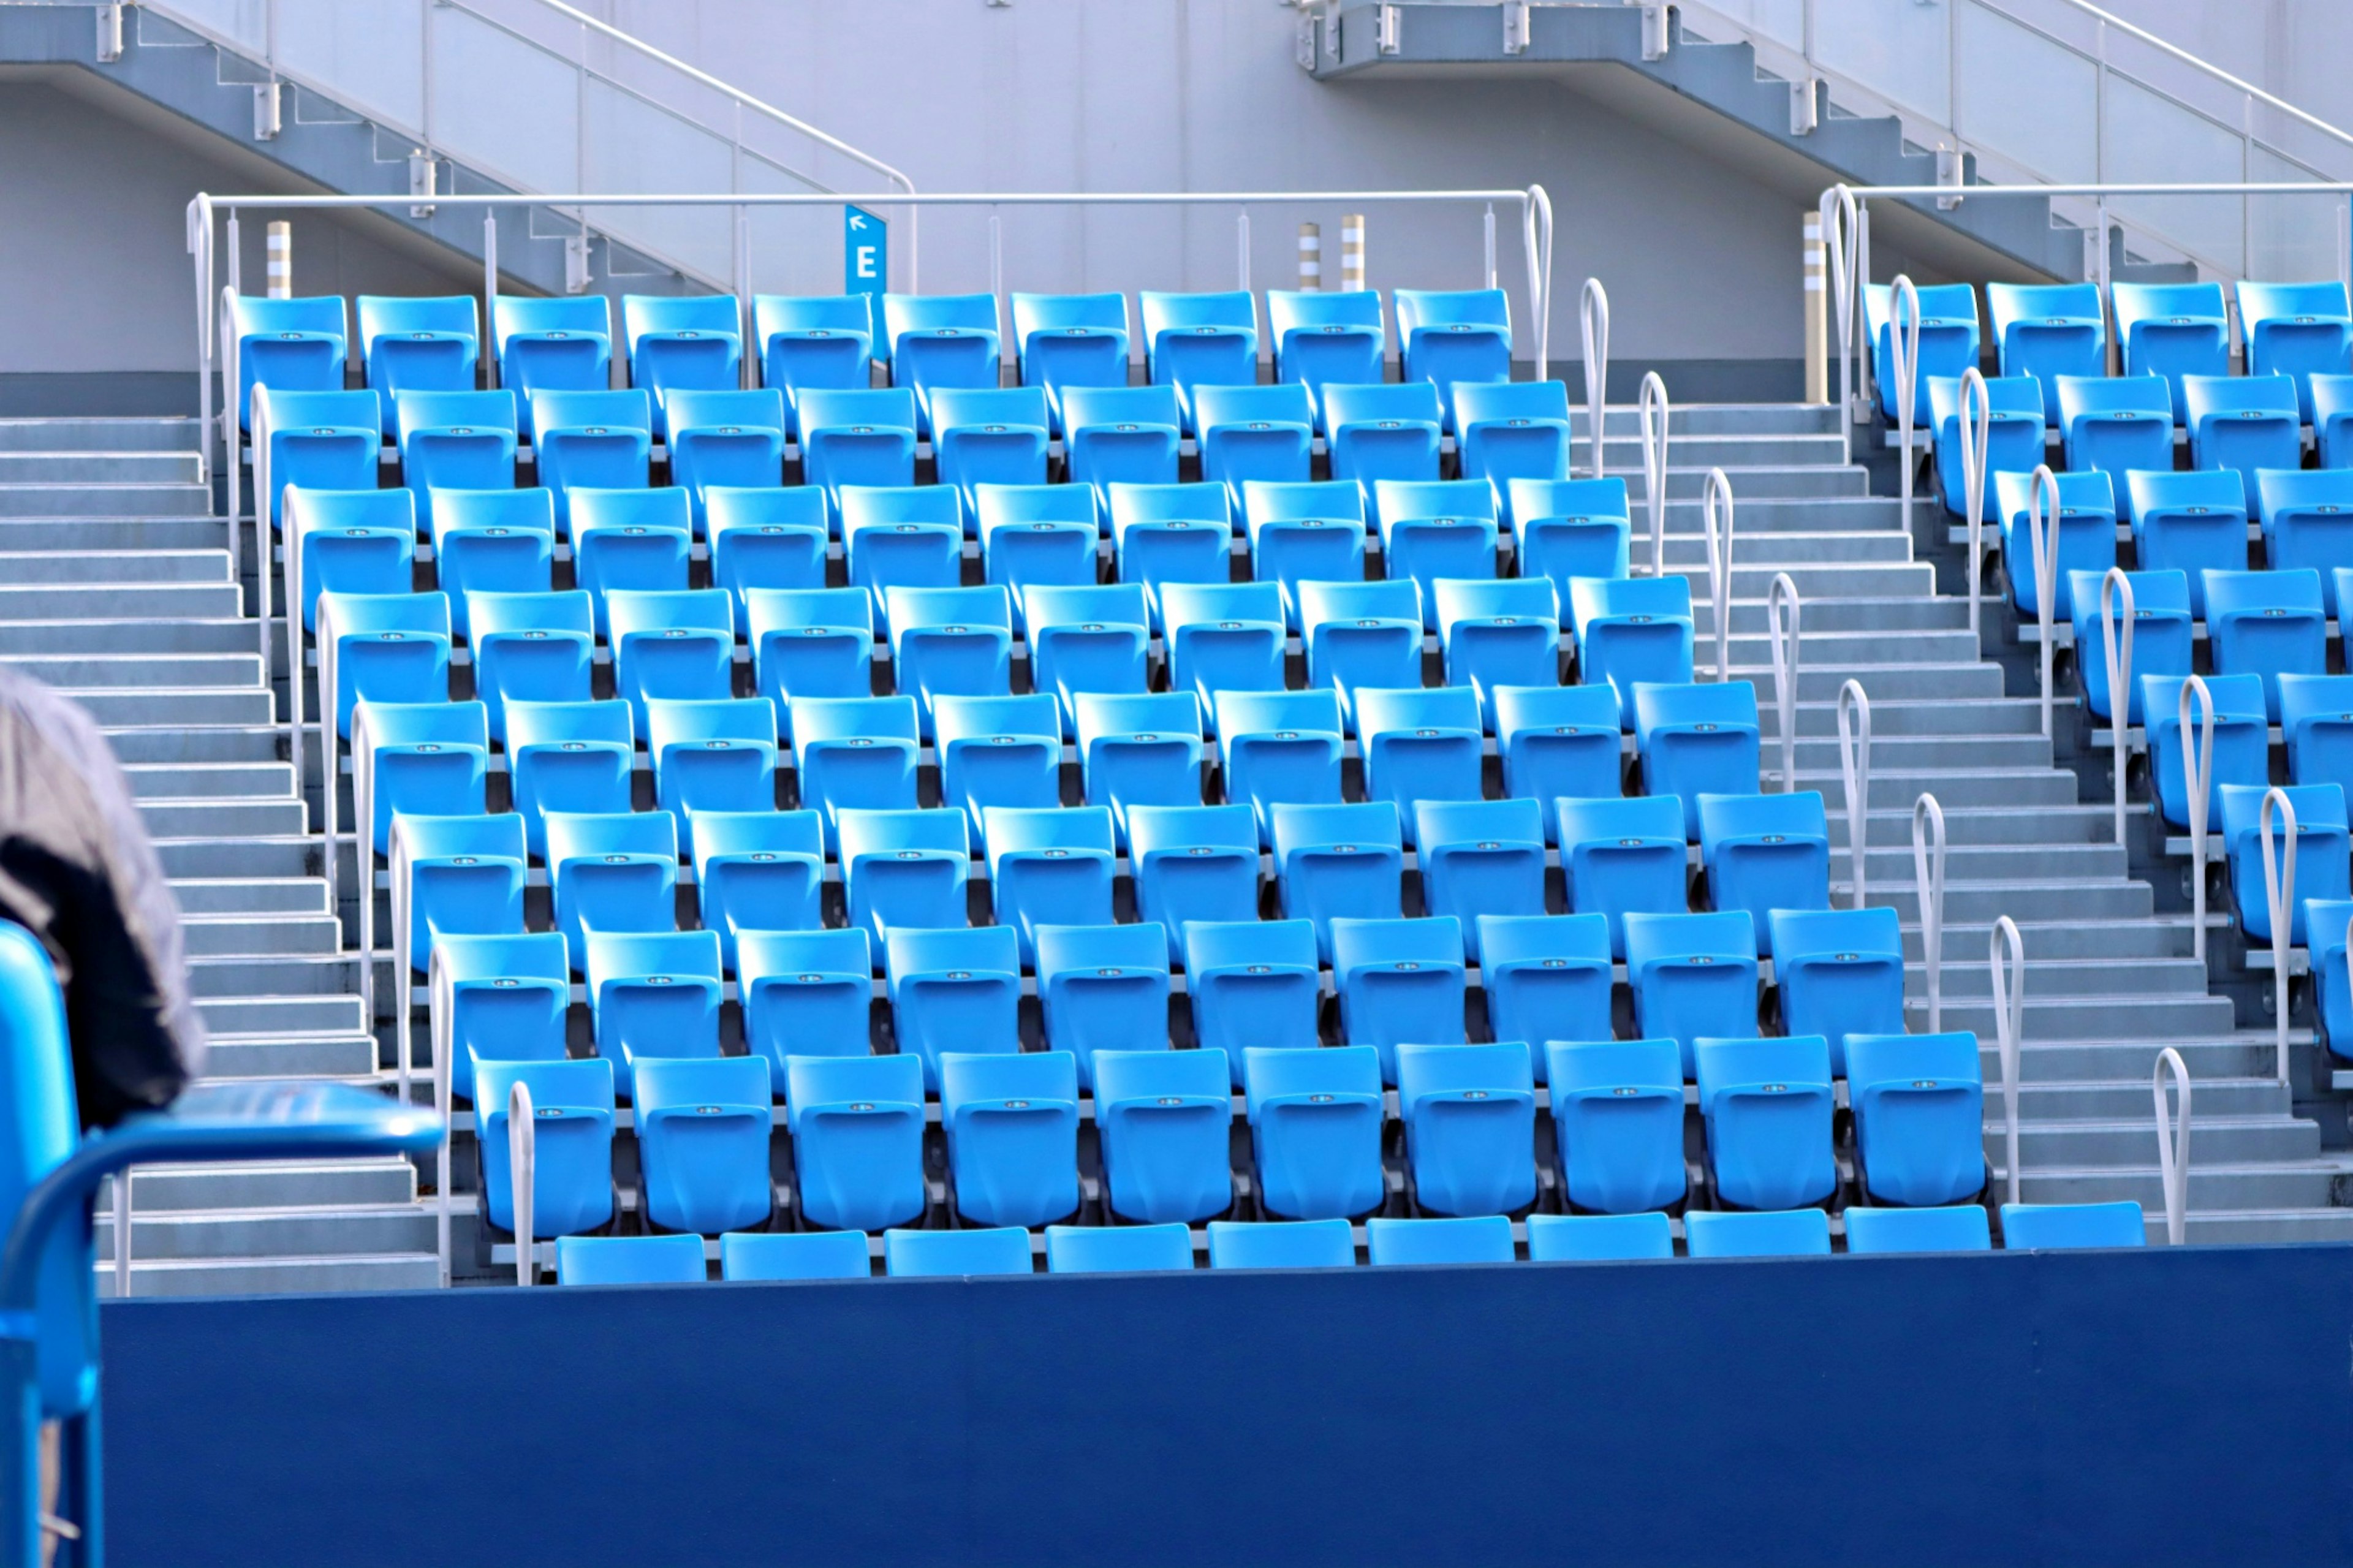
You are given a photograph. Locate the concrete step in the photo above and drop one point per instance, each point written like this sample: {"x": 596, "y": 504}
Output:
{"x": 158, "y": 744}
{"x": 1780, "y": 547}
{"x": 195, "y": 706}
{"x": 2014, "y": 789}
{"x": 328, "y": 1183}
{"x": 181, "y": 597}
{"x": 298, "y": 1232}
{"x": 201, "y": 896}
{"x": 349, "y": 1056}
{"x": 221, "y": 936}
{"x": 1888, "y": 822}
{"x": 2160, "y": 1019}
{"x": 276, "y": 1276}
{"x": 2240, "y": 1097}
{"x": 227, "y": 819}
{"x": 281, "y": 1017}
{"x": 2262, "y": 1227}
{"x": 187, "y": 780}
{"x": 1899, "y": 612}
{"x": 1894, "y": 756}
{"x": 1891, "y": 716}
{"x": 20, "y": 640}
{"x": 110, "y": 498}
{"x": 1761, "y": 482}
{"x": 2254, "y": 1184}
{"x": 1833, "y": 579}
{"x": 1997, "y": 862}
{"x": 1967, "y": 941}
{"x": 2217, "y": 1054}
{"x": 146, "y": 434}
{"x": 1908, "y": 673}
{"x": 1989, "y": 901}
{"x": 2130, "y": 1141}
{"x": 284, "y": 855}
{"x": 285, "y": 974}
{"x": 185, "y": 532}
{"x": 2084, "y": 977}
{"x": 126, "y": 672}
{"x": 1624, "y": 419}
{"x": 19, "y": 468}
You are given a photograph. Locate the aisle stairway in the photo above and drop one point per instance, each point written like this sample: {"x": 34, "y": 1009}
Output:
{"x": 115, "y": 587}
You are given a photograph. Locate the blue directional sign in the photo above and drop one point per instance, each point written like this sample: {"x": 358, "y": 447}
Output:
{"x": 866, "y": 262}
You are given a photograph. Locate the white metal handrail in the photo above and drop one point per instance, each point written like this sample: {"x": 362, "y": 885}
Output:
{"x": 2279, "y": 900}
{"x": 522, "y": 1170}
{"x": 1653, "y": 411}
{"x": 1928, "y": 882}
{"x": 1977, "y": 439}
{"x": 1842, "y": 236}
{"x": 2117, "y": 647}
{"x": 2043, "y": 544}
{"x": 1903, "y": 344}
{"x": 2197, "y": 775}
{"x": 1854, "y": 771}
{"x": 2173, "y": 1143}
{"x": 1593, "y": 323}
{"x": 1716, "y": 519}
{"x": 1781, "y": 608}
{"x": 443, "y": 994}
{"x": 2007, "y": 962}
{"x": 123, "y": 1223}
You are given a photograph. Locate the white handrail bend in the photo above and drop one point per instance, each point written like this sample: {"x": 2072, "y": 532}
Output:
{"x": 2007, "y": 960}
{"x": 1715, "y": 517}
{"x": 2043, "y": 542}
{"x": 2197, "y": 777}
{"x": 1929, "y": 882}
{"x": 2173, "y": 1142}
{"x": 1977, "y": 436}
{"x": 1593, "y": 314}
{"x": 2117, "y": 647}
{"x": 2279, "y": 899}
{"x": 1653, "y": 411}
{"x": 1855, "y": 769}
{"x": 1782, "y": 607}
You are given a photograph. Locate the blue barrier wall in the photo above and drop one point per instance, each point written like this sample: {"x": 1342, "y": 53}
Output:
{"x": 2160, "y": 1406}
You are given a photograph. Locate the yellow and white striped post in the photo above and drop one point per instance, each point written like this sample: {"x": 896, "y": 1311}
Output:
{"x": 1352, "y": 252}
{"x": 279, "y": 260}
{"x": 1818, "y": 321}
{"x": 1311, "y": 259}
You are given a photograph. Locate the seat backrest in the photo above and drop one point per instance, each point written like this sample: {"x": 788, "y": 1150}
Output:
{"x": 712, "y": 315}
{"x": 875, "y": 407}
{"x": 2139, "y": 302}
{"x": 1443, "y": 824}
{"x": 853, "y": 718}
{"x": 1033, "y": 716}
{"x": 1938, "y": 302}
{"x": 673, "y": 722}
{"x": 663, "y": 507}
{"x": 2080, "y": 394}
{"x": 1961, "y": 1228}
{"x": 2008, "y": 304}
{"x": 1597, "y": 598}
{"x": 365, "y": 615}
{"x": 2088, "y": 491}
{"x": 1153, "y": 828}
{"x": 39, "y": 1127}
{"x": 309, "y": 313}
{"x": 1947, "y": 1057}
{"x": 1283, "y": 403}
{"x": 554, "y": 409}
{"x": 1132, "y": 1076}
{"x": 2196, "y": 490}
{"x": 1280, "y": 1072}
{"x": 976, "y": 949}
{"x": 884, "y": 506}
{"x": 962, "y": 407}
{"x": 424, "y": 723}
{"x": 1346, "y": 405}
{"x": 1300, "y": 827}
{"x": 2004, "y": 395}
{"x": 1634, "y": 816}
{"x": 1315, "y": 711}
{"x": 1654, "y": 938}
{"x": 584, "y": 836}
{"x": 2031, "y": 1226}
{"x": 1385, "y": 713}
{"x": 2303, "y": 696}
{"x": 1539, "y": 939}
{"x": 1524, "y": 708}
{"x": 1084, "y": 408}
{"x": 578, "y": 1083}
{"x": 895, "y": 1079}
{"x": 1034, "y": 1076}
{"x": 1417, "y": 308}
{"x": 2205, "y": 394}
{"x": 1415, "y": 500}
{"x": 533, "y": 955}
{"x": 1614, "y": 1064}
{"x": 887, "y": 832}
{"x": 1231, "y": 944}
{"x": 795, "y": 609}
{"x": 1435, "y": 940}
{"x": 1202, "y": 502}
{"x": 760, "y": 954}
{"x": 718, "y": 833}
{"x": 1045, "y": 606}
{"x": 2254, "y": 593}
{"x": 1012, "y": 829}
{"x": 1391, "y": 598}
{"x": 2239, "y": 697}
{"x": 1063, "y": 948}
{"x": 1159, "y": 712}
{"x": 745, "y": 408}
{"x": 936, "y": 312}
{"x": 1660, "y": 704}
{"x": 1799, "y": 815}
{"x": 773, "y": 313}
{"x": 621, "y": 955}
{"x": 1291, "y": 309}
{"x": 660, "y": 1083}
{"x": 352, "y": 409}
{"x": 1162, "y": 311}
{"x": 629, "y": 611}
{"x": 730, "y": 507}
{"x": 1785, "y": 1060}
{"x": 1045, "y": 313}
{"x": 1804, "y": 933}
{"x": 567, "y": 610}
{"x": 1478, "y": 402}
{"x": 1193, "y": 603}
{"x": 420, "y": 409}
{"x": 2282, "y": 490}
{"x": 2316, "y": 805}
{"x": 394, "y": 510}
{"x": 1010, "y": 506}
{"x": 557, "y": 313}
{"x": 922, "y": 610}
{"x": 2263, "y": 302}
{"x": 530, "y": 511}
{"x": 1326, "y": 501}
{"x": 1483, "y": 598}
{"x": 1452, "y": 1070}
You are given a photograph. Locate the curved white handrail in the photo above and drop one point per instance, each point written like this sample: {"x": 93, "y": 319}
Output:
{"x": 330, "y": 768}
{"x": 1904, "y": 343}
{"x": 1716, "y": 519}
{"x": 1928, "y": 880}
{"x": 1653, "y": 411}
{"x": 1841, "y": 238}
{"x": 2116, "y": 646}
{"x": 122, "y": 1221}
{"x": 1854, "y": 768}
{"x": 1781, "y": 631}
{"x": 1536, "y": 233}
{"x": 443, "y": 997}
{"x": 364, "y": 859}
{"x": 2173, "y": 1143}
{"x": 523, "y": 1167}
{"x": 2043, "y": 542}
{"x": 2007, "y": 960}
{"x": 2279, "y": 899}
{"x": 1977, "y": 437}
{"x": 2197, "y": 775}
{"x": 1593, "y": 320}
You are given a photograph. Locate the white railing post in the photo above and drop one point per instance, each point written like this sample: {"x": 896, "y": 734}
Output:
{"x": 2197, "y": 775}
{"x": 1593, "y": 314}
{"x": 2116, "y": 646}
{"x": 330, "y": 811}
{"x": 2008, "y": 964}
{"x": 489, "y": 355}
{"x": 2173, "y": 1143}
{"x": 2043, "y": 540}
{"x": 1904, "y": 343}
{"x": 1715, "y": 517}
{"x": 444, "y": 1069}
{"x": 2279, "y": 898}
{"x": 522, "y": 1170}
{"x": 1977, "y": 436}
{"x": 1839, "y": 233}
{"x": 122, "y": 1224}
{"x": 199, "y": 238}
{"x": 1855, "y": 769}
{"x": 1653, "y": 411}
{"x": 262, "y": 479}
{"x": 1535, "y": 228}
{"x": 1928, "y": 882}
{"x": 1781, "y": 608}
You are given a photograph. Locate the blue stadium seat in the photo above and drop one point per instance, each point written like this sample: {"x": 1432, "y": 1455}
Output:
{"x": 903, "y": 868}
{"x": 288, "y": 345}
{"x": 2314, "y": 716}
{"x": 2192, "y": 522}
{"x": 2332, "y": 419}
{"x": 1693, "y": 977}
{"x": 1481, "y": 859}
{"x": 2325, "y": 921}
{"x": 702, "y": 1142}
{"x": 1326, "y": 338}
{"x": 806, "y": 993}
{"x": 568, "y": 757}
{"x": 1630, "y": 631}
{"x": 1839, "y": 973}
{"x": 795, "y": 1254}
{"x": 1280, "y": 1244}
{"x": 817, "y": 341}
{"x": 593, "y": 439}
{"x": 636, "y": 541}
{"x": 857, "y": 1126}
{"x": 2061, "y": 1226}
{"x": 1511, "y": 433}
{"x": 1790, "y": 1233}
{"x": 410, "y": 344}
{"x": 1302, "y": 533}
{"x": 901, "y": 536}
{"x": 940, "y": 340}
{"x": 2307, "y": 522}
{"x": 2013, "y": 434}
{"x": 530, "y": 648}
{"x": 1494, "y": 634}
{"x": 1919, "y": 1117}
{"x": 2297, "y": 330}
{"x": 1104, "y": 987}
{"x": 1618, "y": 1118}
{"x": 1315, "y": 1129}
{"x": 1049, "y": 866}
{"x": 429, "y": 758}
{"x": 1962, "y": 1227}
{"x": 1557, "y": 740}
{"x": 1192, "y": 341}
{"x": 998, "y": 752}
{"x": 1623, "y": 855}
{"x": 2321, "y": 858}
{"x": 1165, "y": 1118}
{"x": 496, "y": 541}
{"x": 499, "y": 998}
{"x": 2267, "y": 624}
{"x": 1139, "y": 751}
{"x": 1034, "y": 534}
{"x": 572, "y": 1123}
{"x": 1255, "y": 435}
{"x": 1422, "y": 745}
{"x": 1470, "y": 1115}
{"x": 1091, "y": 639}
{"x": 853, "y": 753}
{"x": 1383, "y": 432}
{"x": 2047, "y": 330}
{"x": 1002, "y": 1249}
{"x": 1279, "y": 747}
{"x": 672, "y": 646}
{"x": 1696, "y": 739}
{"x": 1251, "y": 984}
{"x": 689, "y": 341}
{"x": 734, "y": 437}
{"x": 1454, "y": 338}
{"x": 1948, "y": 341}
{"x": 954, "y": 989}
{"x": 1122, "y": 435}
{"x": 856, "y": 436}
{"x": 2115, "y": 424}
{"x": 1224, "y": 637}
{"x": 562, "y": 344}
{"x": 325, "y": 440}
{"x": 949, "y": 642}
{"x": 1399, "y": 981}
{"x": 1598, "y": 1237}
{"x": 612, "y": 873}
{"x": 2087, "y": 537}
{"x": 1429, "y": 530}
{"x": 2243, "y": 423}
{"x": 1173, "y": 536}
{"x": 1012, "y": 1123}
{"x": 1363, "y": 635}
{"x": 989, "y": 436}
{"x": 2241, "y": 741}
{"x": 1192, "y": 863}
{"x": 354, "y": 541}
{"x": 771, "y": 538}
{"x": 1766, "y": 853}
{"x": 655, "y": 994}
{"x": 1547, "y": 978}
{"x": 1766, "y": 1104}
{"x": 810, "y": 642}
{"x": 1337, "y": 860}
{"x": 386, "y": 647}
{"x": 2173, "y": 330}
{"x": 1070, "y": 341}
{"x": 1484, "y": 1238}
{"x": 758, "y": 871}
{"x": 1568, "y": 529}
{"x": 1118, "y": 1249}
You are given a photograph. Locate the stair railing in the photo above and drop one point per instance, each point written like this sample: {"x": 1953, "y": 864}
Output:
{"x": 442, "y": 1034}
{"x": 364, "y": 859}
{"x": 1715, "y": 517}
{"x": 1781, "y": 608}
{"x": 2117, "y": 649}
{"x": 523, "y": 1169}
{"x": 2042, "y": 542}
{"x": 2173, "y": 1143}
{"x": 1653, "y": 411}
{"x": 2008, "y": 961}
{"x": 1841, "y": 236}
{"x": 330, "y": 811}
{"x": 1904, "y": 343}
{"x": 1855, "y": 769}
{"x": 1593, "y": 320}
{"x": 1928, "y": 882}
{"x": 2197, "y": 775}
{"x": 2279, "y": 900}
{"x": 1977, "y": 438}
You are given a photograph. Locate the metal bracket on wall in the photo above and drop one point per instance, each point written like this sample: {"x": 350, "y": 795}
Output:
{"x": 266, "y": 118}
{"x": 1302, "y": 42}
{"x": 575, "y": 264}
{"x": 110, "y": 34}
{"x": 1516, "y": 27}
{"x": 424, "y": 176}
{"x": 1949, "y": 172}
{"x": 1389, "y": 27}
{"x": 1655, "y": 32}
{"x": 1805, "y": 105}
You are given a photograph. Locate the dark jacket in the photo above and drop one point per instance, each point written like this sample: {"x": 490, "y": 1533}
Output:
{"x": 77, "y": 870}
